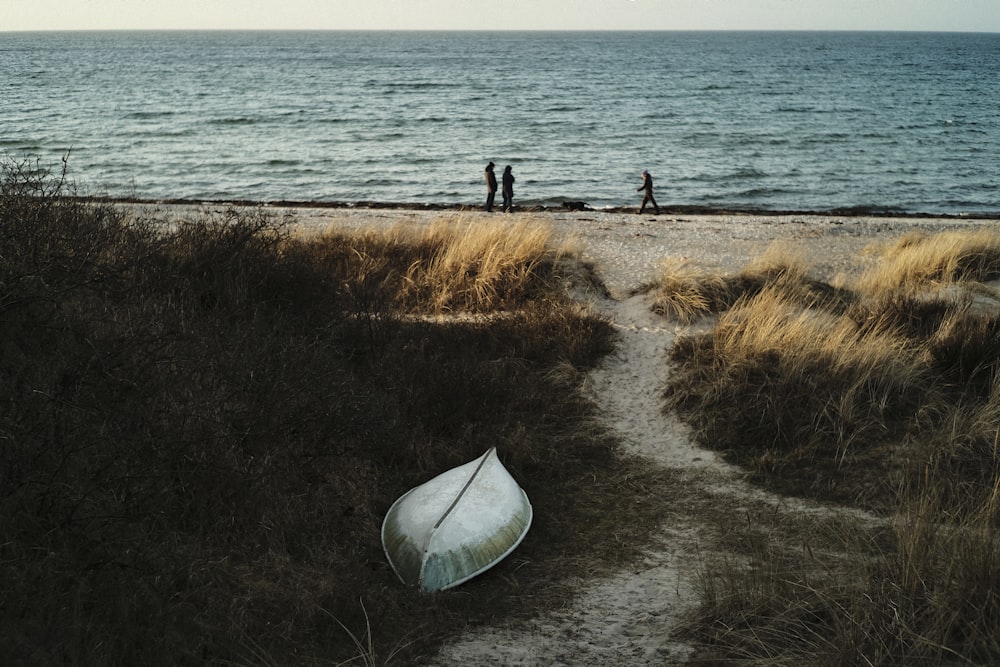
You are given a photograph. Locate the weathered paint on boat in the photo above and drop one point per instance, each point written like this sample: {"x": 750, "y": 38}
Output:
{"x": 457, "y": 525}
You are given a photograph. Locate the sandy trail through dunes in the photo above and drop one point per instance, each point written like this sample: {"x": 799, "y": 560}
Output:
{"x": 625, "y": 618}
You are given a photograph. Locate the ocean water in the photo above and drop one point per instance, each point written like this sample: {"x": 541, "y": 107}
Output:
{"x": 767, "y": 121}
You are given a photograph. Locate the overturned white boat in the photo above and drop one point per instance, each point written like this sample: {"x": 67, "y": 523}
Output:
{"x": 459, "y": 524}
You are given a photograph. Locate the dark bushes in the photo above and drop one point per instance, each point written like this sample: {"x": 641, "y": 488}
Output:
{"x": 202, "y": 422}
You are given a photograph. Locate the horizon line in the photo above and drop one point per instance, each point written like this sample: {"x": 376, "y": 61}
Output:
{"x": 516, "y": 30}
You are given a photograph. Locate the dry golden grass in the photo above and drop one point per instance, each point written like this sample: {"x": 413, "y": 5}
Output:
{"x": 899, "y": 376}
{"x": 770, "y": 324}
{"x": 780, "y": 261}
{"x": 457, "y": 264}
{"x": 917, "y": 261}
{"x": 476, "y": 265}
{"x": 688, "y": 293}
{"x": 799, "y": 395}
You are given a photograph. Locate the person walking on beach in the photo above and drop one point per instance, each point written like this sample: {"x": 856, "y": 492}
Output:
{"x": 491, "y": 187}
{"x": 647, "y": 198}
{"x": 508, "y": 190}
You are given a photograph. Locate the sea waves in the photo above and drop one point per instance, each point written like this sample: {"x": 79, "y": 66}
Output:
{"x": 766, "y": 121}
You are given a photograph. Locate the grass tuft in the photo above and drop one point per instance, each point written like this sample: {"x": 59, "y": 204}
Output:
{"x": 476, "y": 266}
{"x": 688, "y": 293}
{"x": 916, "y": 260}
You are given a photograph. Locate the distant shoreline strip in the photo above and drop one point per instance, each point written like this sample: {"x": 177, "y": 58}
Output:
{"x": 569, "y": 206}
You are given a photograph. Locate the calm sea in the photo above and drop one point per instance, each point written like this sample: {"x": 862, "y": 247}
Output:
{"x": 801, "y": 121}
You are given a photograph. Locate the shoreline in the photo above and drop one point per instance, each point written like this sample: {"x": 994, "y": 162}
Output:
{"x": 567, "y": 207}
{"x": 628, "y": 251}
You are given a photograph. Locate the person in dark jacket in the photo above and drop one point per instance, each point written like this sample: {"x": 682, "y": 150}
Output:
{"x": 508, "y": 190}
{"x": 491, "y": 187}
{"x": 647, "y": 198}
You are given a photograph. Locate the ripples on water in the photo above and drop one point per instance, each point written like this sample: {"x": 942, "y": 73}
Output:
{"x": 753, "y": 120}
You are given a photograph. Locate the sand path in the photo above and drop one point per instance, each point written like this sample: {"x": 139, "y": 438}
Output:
{"x": 625, "y": 618}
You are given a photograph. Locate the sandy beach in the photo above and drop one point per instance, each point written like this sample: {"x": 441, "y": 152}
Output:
{"x": 628, "y": 616}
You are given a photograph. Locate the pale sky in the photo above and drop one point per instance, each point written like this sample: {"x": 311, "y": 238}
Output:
{"x": 944, "y": 15}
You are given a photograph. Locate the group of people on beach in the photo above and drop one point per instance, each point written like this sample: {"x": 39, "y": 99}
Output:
{"x": 507, "y": 183}
{"x": 491, "y": 188}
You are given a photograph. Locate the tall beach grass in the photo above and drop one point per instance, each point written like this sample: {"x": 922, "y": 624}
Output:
{"x": 687, "y": 292}
{"x": 880, "y": 395}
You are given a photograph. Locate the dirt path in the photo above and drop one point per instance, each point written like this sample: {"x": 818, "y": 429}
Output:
{"x": 629, "y": 384}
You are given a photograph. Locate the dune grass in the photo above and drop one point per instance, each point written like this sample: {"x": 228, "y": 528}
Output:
{"x": 883, "y": 395}
{"x": 802, "y": 397}
{"x": 203, "y": 423}
{"x": 473, "y": 267}
{"x": 456, "y": 264}
{"x": 917, "y": 260}
{"x": 687, "y": 292}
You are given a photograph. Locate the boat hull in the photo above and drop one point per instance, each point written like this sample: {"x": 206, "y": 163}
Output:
{"x": 457, "y": 525}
